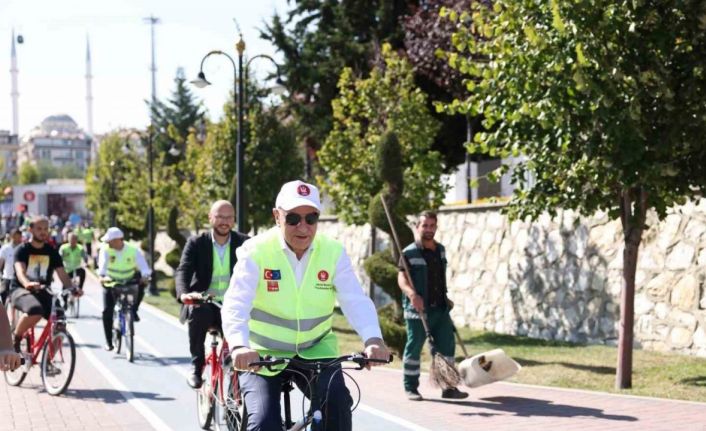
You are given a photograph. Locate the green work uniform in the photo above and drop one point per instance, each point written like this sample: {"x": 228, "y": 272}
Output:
{"x": 71, "y": 256}
{"x": 440, "y": 324}
{"x": 286, "y": 319}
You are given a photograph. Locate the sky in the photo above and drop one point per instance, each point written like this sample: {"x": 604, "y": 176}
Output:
{"x": 52, "y": 65}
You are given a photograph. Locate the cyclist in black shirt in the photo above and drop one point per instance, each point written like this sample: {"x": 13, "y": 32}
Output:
{"x": 35, "y": 263}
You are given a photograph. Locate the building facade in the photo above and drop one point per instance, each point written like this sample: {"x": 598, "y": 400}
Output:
{"x": 9, "y": 147}
{"x": 57, "y": 141}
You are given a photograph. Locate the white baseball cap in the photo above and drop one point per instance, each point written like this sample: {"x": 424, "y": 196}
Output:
{"x": 298, "y": 193}
{"x": 111, "y": 234}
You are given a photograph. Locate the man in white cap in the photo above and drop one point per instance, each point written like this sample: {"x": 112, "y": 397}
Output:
{"x": 275, "y": 272}
{"x": 119, "y": 262}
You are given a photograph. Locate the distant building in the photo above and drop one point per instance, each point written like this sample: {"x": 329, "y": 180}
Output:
{"x": 59, "y": 141}
{"x": 61, "y": 197}
{"x": 9, "y": 147}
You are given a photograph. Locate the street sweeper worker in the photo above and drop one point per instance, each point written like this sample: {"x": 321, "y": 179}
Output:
{"x": 280, "y": 302}
{"x": 426, "y": 260}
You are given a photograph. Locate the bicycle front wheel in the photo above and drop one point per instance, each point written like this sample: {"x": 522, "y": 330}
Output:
{"x": 228, "y": 416}
{"x": 129, "y": 336}
{"x": 58, "y": 362}
{"x": 205, "y": 398}
{"x": 16, "y": 377}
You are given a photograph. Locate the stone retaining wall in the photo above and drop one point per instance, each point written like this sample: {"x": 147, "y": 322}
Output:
{"x": 561, "y": 278}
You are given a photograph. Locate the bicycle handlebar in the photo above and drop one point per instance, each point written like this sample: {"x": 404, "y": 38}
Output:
{"x": 358, "y": 358}
{"x": 204, "y": 299}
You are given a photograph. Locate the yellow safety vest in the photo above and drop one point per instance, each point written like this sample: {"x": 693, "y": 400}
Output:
{"x": 286, "y": 319}
{"x": 121, "y": 268}
{"x": 71, "y": 256}
{"x": 220, "y": 276}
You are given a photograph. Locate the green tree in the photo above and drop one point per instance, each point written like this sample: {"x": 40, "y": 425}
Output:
{"x": 27, "y": 174}
{"x": 367, "y": 108}
{"x": 173, "y": 121}
{"x": 605, "y": 98}
{"x": 317, "y": 39}
{"x": 116, "y": 181}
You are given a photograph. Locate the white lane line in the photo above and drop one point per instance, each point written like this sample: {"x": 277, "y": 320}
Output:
{"x": 145, "y": 411}
{"x": 158, "y": 355}
{"x": 164, "y": 316}
{"x": 391, "y": 418}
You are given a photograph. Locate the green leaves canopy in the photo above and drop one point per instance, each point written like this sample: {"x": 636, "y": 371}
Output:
{"x": 601, "y": 96}
{"x": 366, "y": 108}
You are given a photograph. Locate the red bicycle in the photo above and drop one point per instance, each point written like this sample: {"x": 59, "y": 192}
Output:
{"x": 57, "y": 348}
{"x": 218, "y": 398}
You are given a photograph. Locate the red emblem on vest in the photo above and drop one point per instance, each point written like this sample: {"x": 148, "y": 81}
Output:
{"x": 323, "y": 275}
{"x": 272, "y": 286}
{"x": 303, "y": 190}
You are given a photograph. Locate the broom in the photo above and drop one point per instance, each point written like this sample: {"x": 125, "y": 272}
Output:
{"x": 442, "y": 372}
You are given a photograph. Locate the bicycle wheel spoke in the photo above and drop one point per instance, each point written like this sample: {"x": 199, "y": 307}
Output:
{"x": 58, "y": 361}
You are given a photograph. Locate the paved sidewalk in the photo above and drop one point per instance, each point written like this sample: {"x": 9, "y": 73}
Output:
{"x": 90, "y": 403}
{"x": 505, "y": 406}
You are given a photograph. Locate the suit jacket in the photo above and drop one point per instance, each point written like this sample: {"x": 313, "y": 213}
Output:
{"x": 196, "y": 265}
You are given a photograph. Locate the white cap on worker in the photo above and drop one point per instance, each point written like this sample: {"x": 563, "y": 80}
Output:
{"x": 111, "y": 234}
{"x": 296, "y": 194}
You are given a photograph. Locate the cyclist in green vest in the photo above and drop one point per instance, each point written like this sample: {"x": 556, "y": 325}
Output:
{"x": 280, "y": 302}
{"x": 85, "y": 237}
{"x": 119, "y": 262}
{"x": 427, "y": 264}
{"x": 73, "y": 253}
{"x": 205, "y": 267}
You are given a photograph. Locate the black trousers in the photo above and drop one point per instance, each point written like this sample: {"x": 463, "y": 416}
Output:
{"x": 109, "y": 306}
{"x": 81, "y": 276}
{"x": 201, "y": 318}
{"x": 262, "y": 399}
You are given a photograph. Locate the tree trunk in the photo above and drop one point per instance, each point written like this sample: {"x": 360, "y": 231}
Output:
{"x": 633, "y": 205}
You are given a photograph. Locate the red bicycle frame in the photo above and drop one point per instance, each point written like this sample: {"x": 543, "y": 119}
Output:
{"x": 216, "y": 360}
{"x": 36, "y": 348}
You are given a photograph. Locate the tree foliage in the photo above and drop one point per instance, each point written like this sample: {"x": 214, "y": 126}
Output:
{"x": 368, "y": 107}
{"x": 604, "y": 98}
{"x": 317, "y": 39}
{"x": 43, "y": 170}
{"x": 27, "y": 173}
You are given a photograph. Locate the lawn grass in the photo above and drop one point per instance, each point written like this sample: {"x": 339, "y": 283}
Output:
{"x": 164, "y": 301}
{"x": 549, "y": 363}
{"x": 567, "y": 365}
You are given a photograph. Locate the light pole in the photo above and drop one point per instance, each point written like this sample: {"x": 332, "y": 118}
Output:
{"x": 150, "y": 212}
{"x": 113, "y": 198}
{"x": 239, "y": 76}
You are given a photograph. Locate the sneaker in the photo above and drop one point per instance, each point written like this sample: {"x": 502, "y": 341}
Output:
{"x": 195, "y": 381}
{"x": 413, "y": 395}
{"x": 108, "y": 347}
{"x": 453, "y": 394}
{"x": 135, "y": 317}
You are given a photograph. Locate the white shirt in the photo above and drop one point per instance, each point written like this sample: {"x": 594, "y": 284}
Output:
{"x": 7, "y": 253}
{"x": 145, "y": 270}
{"x": 237, "y": 302}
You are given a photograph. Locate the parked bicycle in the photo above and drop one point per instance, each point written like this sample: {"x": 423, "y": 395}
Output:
{"x": 210, "y": 399}
{"x": 123, "y": 318}
{"x": 57, "y": 348}
{"x": 235, "y": 413}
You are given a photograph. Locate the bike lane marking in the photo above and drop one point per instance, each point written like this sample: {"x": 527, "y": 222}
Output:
{"x": 145, "y": 411}
{"x": 147, "y": 346}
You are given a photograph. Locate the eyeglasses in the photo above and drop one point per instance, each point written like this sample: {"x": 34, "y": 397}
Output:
{"x": 293, "y": 219}
{"x": 224, "y": 218}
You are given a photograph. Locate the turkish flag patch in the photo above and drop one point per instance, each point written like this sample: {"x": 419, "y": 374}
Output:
{"x": 272, "y": 286}
{"x": 323, "y": 275}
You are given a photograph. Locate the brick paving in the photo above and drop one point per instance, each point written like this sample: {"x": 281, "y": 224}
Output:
{"x": 90, "y": 403}
{"x": 505, "y": 406}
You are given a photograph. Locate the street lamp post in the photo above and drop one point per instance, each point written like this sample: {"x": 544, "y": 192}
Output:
{"x": 239, "y": 77}
{"x": 150, "y": 212}
{"x": 113, "y": 198}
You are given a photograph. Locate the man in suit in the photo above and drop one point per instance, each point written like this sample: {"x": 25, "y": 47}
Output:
{"x": 206, "y": 267}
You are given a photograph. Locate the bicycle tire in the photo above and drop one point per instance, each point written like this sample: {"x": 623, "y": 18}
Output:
{"x": 58, "y": 361}
{"x": 129, "y": 337}
{"x": 205, "y": 398}
{"x": 16, "y": 377}
{"x": 117, "y": 340}
{"x": 227, "y": 418}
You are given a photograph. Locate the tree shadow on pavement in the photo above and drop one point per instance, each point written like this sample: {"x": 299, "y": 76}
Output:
{"x": 159, "y": 361}
{"x": 694, "y": 381}
{"x": 583, "y": 367}
{"x": 112, "y": 396}
{"x": 528, "y": 407}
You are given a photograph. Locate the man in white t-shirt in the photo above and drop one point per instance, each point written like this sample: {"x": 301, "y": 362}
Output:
{"x": 7, "y": 262}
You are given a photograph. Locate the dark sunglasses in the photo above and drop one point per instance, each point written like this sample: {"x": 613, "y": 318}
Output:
{"x": 294, "y": 219}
